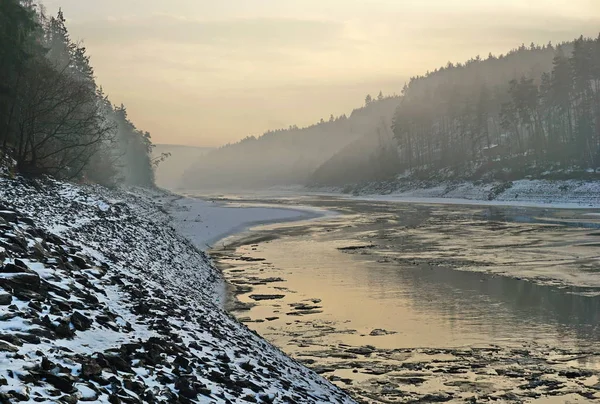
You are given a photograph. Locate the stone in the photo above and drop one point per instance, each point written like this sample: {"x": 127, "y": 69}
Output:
{"x": 5, "y": 299}
{"x": 90, "y": 369}
{"x": 63, "y": 383}
{"x": 379, "y": 332}
{"x": 80, "y": 322}
{"x": 266, "y": 297}
{"x": 11, "y": 338}
{"x": 8, "y": 215}
{"x": 64, "y": 330}
{"x": 7, "y": 347}
{"x": 16, "y": 268}
{"x": 20, "y": 281}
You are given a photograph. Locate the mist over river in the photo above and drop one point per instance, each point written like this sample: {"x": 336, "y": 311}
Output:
{"x": 404, "y": 302}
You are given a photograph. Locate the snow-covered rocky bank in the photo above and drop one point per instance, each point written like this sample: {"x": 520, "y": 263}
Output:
{"x": 531, "y": 193}
{"x": 103, "y": 300}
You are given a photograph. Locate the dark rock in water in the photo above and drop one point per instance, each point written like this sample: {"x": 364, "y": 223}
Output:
{"x": 303, "y": 312}
{"x": 304, "y": 306}
{"x": 266, "y": 297}
{"x": 575, "y": 373}
{"x": 364, "y": 350}
{"x": 80, "y": 322}
{"x": 435, "y": 398}
{"x": 5, "y": 299}
{"x": 379, "y": 332}
{"x": 323, "y": 369}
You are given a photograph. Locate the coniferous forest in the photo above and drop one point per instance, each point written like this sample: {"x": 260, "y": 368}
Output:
{"x": 54, "y": 118}
{"x": 533, "y": 111}
{"x": 542, "y": 116}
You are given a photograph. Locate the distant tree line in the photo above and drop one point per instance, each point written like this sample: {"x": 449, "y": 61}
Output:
{"x": 537, "y": 105}
{"x": 54, "y": 118}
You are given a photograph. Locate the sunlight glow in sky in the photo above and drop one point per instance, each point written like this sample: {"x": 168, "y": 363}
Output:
{"x": 206, "y": 72}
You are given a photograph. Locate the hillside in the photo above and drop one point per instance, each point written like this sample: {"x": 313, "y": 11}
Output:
{"x": 530, "y": 114}
{"x": 532, "y": 111}
{"x": 460, "y": 101}
{"x": 370, "y": 157}
{"x": 102, "y": 300}
{"x": 285, "y": 156}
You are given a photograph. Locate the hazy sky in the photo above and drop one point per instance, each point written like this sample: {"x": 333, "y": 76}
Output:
{"x": 207, "y": 72}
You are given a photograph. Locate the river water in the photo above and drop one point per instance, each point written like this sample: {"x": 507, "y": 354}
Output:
{"x": 420, "y": 303}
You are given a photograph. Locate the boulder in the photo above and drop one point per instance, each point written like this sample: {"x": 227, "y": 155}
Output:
{"x": 90, "y": 369}
{"x": 20, "y": 281}
{"x": 62, "y": 383}
{"x": 7, "y": 347}
{"x": 8, "y": 215}
{"x": 16, "y": 268}
{"x": 5, "y": 299}
{"x": 80, "y": 322}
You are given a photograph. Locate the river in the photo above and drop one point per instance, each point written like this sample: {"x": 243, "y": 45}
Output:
{"x": 403, "y": 302}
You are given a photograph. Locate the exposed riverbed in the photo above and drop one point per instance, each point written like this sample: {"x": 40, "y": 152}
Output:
{"x": 402, "y": 302}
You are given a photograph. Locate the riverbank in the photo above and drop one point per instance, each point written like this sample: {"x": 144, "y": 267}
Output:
{"x": 404, "y": 303}
{"x": 104, "y": 300}
{"x": 568, "y": 194}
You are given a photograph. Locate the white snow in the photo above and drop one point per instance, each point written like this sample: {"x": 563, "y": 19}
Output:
{"x": 131, "y": 232}
{"x": 205, "y": 222}
{"x": 570, "y": 194}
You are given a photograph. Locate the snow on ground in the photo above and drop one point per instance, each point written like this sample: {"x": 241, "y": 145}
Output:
{"x": 570, "y": 194}
{"x": 205, "y": 222}
{"x": 101, "y": 299}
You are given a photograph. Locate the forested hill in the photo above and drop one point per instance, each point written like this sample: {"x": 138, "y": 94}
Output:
{"x": 530, "y": 112}
{"x": 534, "y": 112}
{"x": 54, "y": 118}
{"x": 288, "y": 156}
{"x": 462, "y": 100}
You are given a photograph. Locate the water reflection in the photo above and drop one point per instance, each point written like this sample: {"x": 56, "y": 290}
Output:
{"x": 432, "y": 278}
{"x": 402, "y": 281}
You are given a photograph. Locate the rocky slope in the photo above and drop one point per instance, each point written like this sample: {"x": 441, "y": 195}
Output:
{"x": 102, "y": 300}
